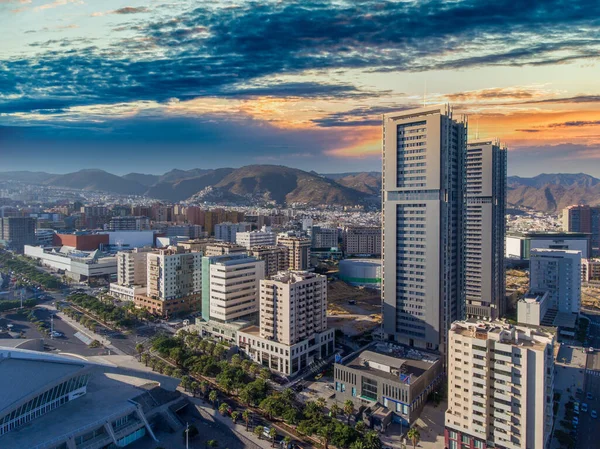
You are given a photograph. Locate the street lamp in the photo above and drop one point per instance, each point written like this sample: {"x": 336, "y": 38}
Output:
{"x": 187, "y": 430}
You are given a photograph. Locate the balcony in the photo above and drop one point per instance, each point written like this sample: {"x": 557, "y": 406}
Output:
{"x": 477, "y": 408}
{"x": 501, "y": 425}
{"x": 481, "y": 372}
{"x": 499, "y": 394}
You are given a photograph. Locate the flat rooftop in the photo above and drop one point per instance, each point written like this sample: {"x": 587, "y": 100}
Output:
{"x": 549, "y": 234}
{"x": 390, "y": 360}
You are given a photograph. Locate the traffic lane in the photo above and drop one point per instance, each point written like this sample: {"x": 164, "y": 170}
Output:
{"x": 593, "y": 361}
{"x": 588, "y": 430}
{"x": 20, "y": 323}
{"x": 69, "y": 342}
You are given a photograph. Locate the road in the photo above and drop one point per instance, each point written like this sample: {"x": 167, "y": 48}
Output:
{"x": 589, "y": 428}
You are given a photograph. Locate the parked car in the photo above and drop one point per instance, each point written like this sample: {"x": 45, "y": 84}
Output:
{"x": 584, "y": 407}
{"x": 576, "y": 409}
{"x": 594, "y": 414}
{"x": 575, "y": 421}
{"x": 589, "y": 396}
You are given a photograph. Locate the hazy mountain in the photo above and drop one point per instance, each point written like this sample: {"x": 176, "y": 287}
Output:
{"x": 561, "y": 179}
{"x": 181, "y": 189}
{"x": 177, "y": 175}
{"x": 93, "y": 179}
{"x": 142, "y": 178}
{"x": 366, "y": 182}
{"x": 32, "y": 177}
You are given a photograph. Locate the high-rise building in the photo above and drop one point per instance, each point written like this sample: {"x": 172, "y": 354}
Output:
{"x": 500, "y": 386}
{"x": 190, "y": 231}
{"x": 249, "y": 239}
{"x": 132, "y": 274}
{"x": 275, "y": 257}
{"x": 228, "y": 231}
{"x": 128, "y": 223}
{"x": 559, "y": 273}
{"x": 298, "y": 251}
{"x": 194, "y": 215}
{"x": 141, "y": 211}
{"x": 324, "y": 237}
{"x": 219, "y": 248}
{"x": 584, "y": 218}
{"x": 361, "y": 240}
{"x": 485, "y": 230}
{"x": 16, "y": 232}
{"x": 174, "y": 282}
{"x": 424, "y": 152}
{"x": 293, "y": 332}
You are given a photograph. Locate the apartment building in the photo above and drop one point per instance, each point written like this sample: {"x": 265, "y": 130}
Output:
{"x": 228, "y": 231}
{"x": 424, "y": 154}
{"x": 276, "y": 258}
{"x": 559, "y": 273}
{"x": 590, "y": 270}
{"x": 361, "y": 240}
{"x": 584, "y": 218}
{"x": 128, "y": 224}
{"x": 16, "y": 232}
{"x": 500, "y": 389}
{"x": 298, "y": 251}
{"x": 485, "y": 229}
{"x": 292, "y": 332}
{"x": 324, "y": 237}
{"x": 219, "y": 248}
{"x": 249, "y": 239}
{"x": 174, "y": 282}
{"x": 132, "y": 273}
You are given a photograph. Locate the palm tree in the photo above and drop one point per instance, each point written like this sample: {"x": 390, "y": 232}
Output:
{"x": 321, "y": 402}
{"x": 334, "y": 410}
{"x": 212, "y": 397}
{"x": 194, "y": 388}
{"x": 265, "y": 374}
{"x": 348, "y": 409}
{"x": 372, "y": 440}
{"x": 236, "y": 359}
{"x": 145, "y": 358}
{"x": 223, "y": 408}
{"x": 139, "y": 348}
{"x": 235, "y": 416}
{"x": 414, "y": 435}
{"x": 258, "y": 431}
{"x": 358, "y": 444}
{"x": 185, "y": 382}
{"x": 325, "y": 433}
{"x": 203, "y": 387}
{"x": 272, "y": 434}
{"x": 246, "y": 416}
{"x": 212, "y": 443}
{"x": 360, "y": 426}
{"x": 287, "y": 440}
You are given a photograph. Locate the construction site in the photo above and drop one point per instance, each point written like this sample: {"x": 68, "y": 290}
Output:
{"x": 353, "y": 310}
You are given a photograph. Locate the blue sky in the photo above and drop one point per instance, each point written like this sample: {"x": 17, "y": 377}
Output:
{"x": 149, "y": 85}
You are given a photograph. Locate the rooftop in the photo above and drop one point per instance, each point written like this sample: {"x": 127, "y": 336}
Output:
{"x": 548, "y": 234}
{"x": 500, "y": 331}
{"x": 289, "y": 277}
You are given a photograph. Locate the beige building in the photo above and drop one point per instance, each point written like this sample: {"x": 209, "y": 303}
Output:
{"x": 298, "y": 251}
{"x": 275, "y": 257}
{"x": 249, "y": 239}
{"x": 131, "y": 274}
{"x": 361, "y": 240}
{"x": 220, "y": 248}
{"x": 293, "y": 333}
{"x": 590, "y": 270}
{"x": 500, "y": 386}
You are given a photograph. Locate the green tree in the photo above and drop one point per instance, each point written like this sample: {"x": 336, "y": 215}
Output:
{"x": 223, "y": 408}
{"x": 358, "y": 444}
{"x": 335, "y": 410}
{"x": 321, "y": 402}
{"x": 236, "y": 359}
{"x": 139, "y": 348}
{"x": 235, "y": 416}
{"x": 265, "y": 374}
{"x": 348, "y": 409}
{"x": 195, "y": 386}
{"x": 186, "y": 382}
{"x": 326, "y": 432}
{"x": 203, "y": 387}
{"x": 258, "y": 431}
{"x": 360, "y": 426}
{"x": 414, "y": 435}
{"x": 212, "y": 397}
{"x": 272, "y": 434}
{"x": 212, "y": 443}
{"x": 372, "y": 440}
{"x": 145, "y": 358}
{"x": 286, "y": 441}
{"x": 246, "y": 417}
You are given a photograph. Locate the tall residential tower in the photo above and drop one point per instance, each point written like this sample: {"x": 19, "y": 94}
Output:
{"x": 424, "y": 152}
{"x": 485, "y": 229}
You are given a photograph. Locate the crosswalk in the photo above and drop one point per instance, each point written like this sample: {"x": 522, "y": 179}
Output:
{"x": 592, "y": 372}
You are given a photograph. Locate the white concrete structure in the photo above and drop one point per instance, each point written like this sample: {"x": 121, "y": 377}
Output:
{"x": 126, "y": 292}
{"x": 532, "y": 308}
{"x": 293, "y": 323}
{"x": 173, "y": 273}
{"x": 131, "y": 239}
{"x": 424, "y": 154}
{"x": 500, "y": 389}
{"x": 128, "y": 223}
{"x": 132, "y": 274}
{"x": 361, "y": 272}
{"x": 559, "y": 273}
{"x": 519, "y": 244}
{"x": 264, "y": 237}
{"x": 76, "y": 264}
{"x": 485, "y": 230}
{"x": 227, "y": 231}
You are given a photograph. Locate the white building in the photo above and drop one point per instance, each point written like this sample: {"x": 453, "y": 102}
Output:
{"x": 227, "y": 231}
{"x": 559, "y": 273}
{"x": 532, "y": 308}
{"x": 131, "y": 239}
{"x": 298, "y": 251}
{"x": 173, "y": 273}
{"x": 292, "y": 333}
{"x": 128, "y": 223}
{"x": 519, "y": 244}
{"x": 500, "y": 386}
{"x": 264, "y": 237}
{"x": 131, "y": 273}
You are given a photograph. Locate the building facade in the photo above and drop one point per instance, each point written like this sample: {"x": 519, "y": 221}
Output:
{"x": 500, "y": 389}
{"x": 128, "y": 223}
{"x": 276, "y": 258}
{"x": 228, "y": 231}
{"x": 298, "y": 251}
{"x": 424, "y": 152}
{"x": 559, "y": 273}
{"x": 324, "y": 237}
{"x": 361, "y": 240}
{"x": 249, "y": 239}
{"x": 485, "y": 230}
{"x": 584, "y": 218}
{"x": 519, "y": 244}
{"x": 16, "y": 232}
{"x": 220, "y": 248}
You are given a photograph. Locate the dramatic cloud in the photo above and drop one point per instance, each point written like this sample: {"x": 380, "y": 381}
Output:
{"x": 575, "y": 124}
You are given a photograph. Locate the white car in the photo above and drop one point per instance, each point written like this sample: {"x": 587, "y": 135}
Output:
{"x": 584, "y": 407}
{"x": 593, "y": 414}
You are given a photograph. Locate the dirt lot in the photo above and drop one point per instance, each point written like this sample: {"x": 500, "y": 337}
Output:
{"x": 353, "y": 319}
{"x": 590, "y": 296}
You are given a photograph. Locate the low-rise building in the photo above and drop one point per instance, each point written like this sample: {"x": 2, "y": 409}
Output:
{"x": 249, "y": 239}
{"x": 532, "y": 308}
{"x": 222, "y": 248}
{"x": 500, "y": 386}
{"x": 519, "y": 244}
{"x": 362, "y": 240}
{"x": 390, "y": 376}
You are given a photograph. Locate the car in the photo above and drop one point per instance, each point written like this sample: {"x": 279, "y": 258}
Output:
{"x": 575, "y": 421}
{"x": 590, "y": 349}
{"x": 56, "y": 334}
{"x": 576, "y": 409}
{"x": 589, "y": 396}
{"x": 594, "y": 414}
{"x": 267, "y": 431}
{"x": 584, "y": 407}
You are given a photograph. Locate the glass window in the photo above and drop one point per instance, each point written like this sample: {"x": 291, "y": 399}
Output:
{"x": 478, "y": 444}
{"x": 369, "y": 388}
{"x": 453, "y": 435}
{"x": 354, "y": 391}
{"x": 466, "y": 439}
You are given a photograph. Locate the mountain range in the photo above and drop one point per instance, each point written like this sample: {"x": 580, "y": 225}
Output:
{"x": 284, "y": 185}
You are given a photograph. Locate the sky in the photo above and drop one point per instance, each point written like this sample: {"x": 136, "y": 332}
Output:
{"x": 151, "y": 85}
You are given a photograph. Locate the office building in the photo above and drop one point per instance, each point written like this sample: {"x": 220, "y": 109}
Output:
{"x": 590, "y": 271}
{"x": 424, "y": 152}
{"x": 392, "y": 381}
{"x": 559, "y": 273}
{"x": 500, "y": 389}
{"x": 128, "y": 223}
{"x": 230, "y": 295}
{"x": 249, "y": 239}
{"x": 189, "y": 231}
{"x": 485, "y": 230}
{"x": 276, "y": 258}
{"x": 324, "y": 237}
{"x": 16, "y": 232}
{"x": 292, "y": 333}
{"x": 219, "y": 248}
{"x": 298, "y": 251}
{"x": 174, "y": 282}
{"x": 519, "y": 244}
{"x": 63, "y": 402}
{"x": 361, "y": 241}
{"x": 132, "y": 269}
{"x": 44, "y": 236}
{"x": 227, "y": 231}
{"x": 586, "y": 219}
{"x": 533, "y": 308}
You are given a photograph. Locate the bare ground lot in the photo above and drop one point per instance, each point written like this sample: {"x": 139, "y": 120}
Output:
{"x": 353, "y": 310}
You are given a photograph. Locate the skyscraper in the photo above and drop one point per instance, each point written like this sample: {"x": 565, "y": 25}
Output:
{"x": 584, "y": 218}
{"x": 424, "y": 152}
{"x": 485, "y": 229}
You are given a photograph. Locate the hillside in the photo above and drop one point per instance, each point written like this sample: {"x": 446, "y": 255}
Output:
{"x": 366, "y": 182}
{"x": 32, "y": 177}
{"x": 561, "y": 179}
{"x": 96, "y": 180}
{"x": 142, "y": 178}
{"x": 181, "y": 189}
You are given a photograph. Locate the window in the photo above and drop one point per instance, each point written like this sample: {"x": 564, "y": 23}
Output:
{"x": 369, "y": 389}
{"x": 353, "y": 391}
{"x": 466, "y": 439}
